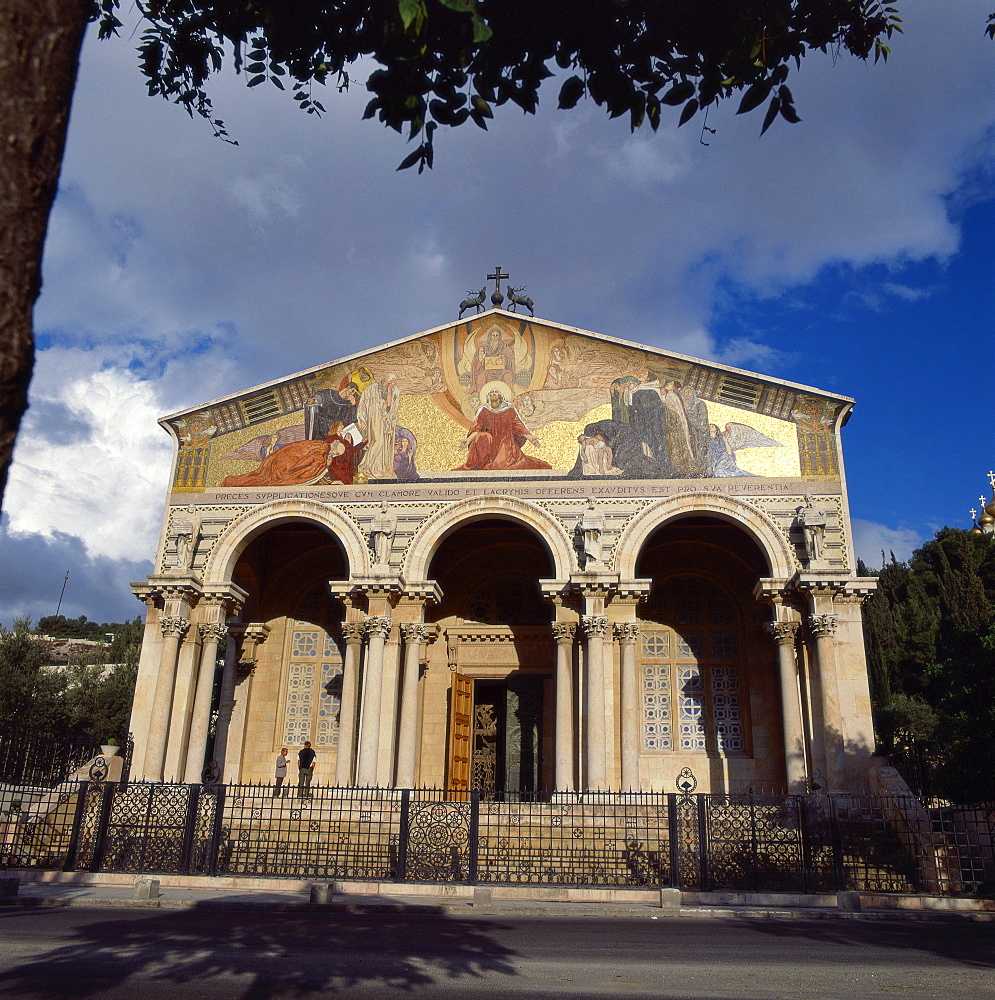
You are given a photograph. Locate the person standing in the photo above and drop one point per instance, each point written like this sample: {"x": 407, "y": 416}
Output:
{"x": 305, "y": 770}
{"x": 281, "y": 773}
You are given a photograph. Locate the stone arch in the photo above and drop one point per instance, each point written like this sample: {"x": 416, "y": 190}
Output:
{"x": 758, "y": 525}
{"x": 529, "y": 515}
{"x": 237, "y": 535}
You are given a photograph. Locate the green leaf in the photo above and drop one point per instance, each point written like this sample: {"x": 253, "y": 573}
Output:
{"x": 679, "y": 93}
{"x": 755, "y": 96}
{"x": 690, "y": 110}
{"x": 409, "y": 10}
{"x": 256, "y": 80}
{"x": 653, "y": 111}
{"x": 571, "y": 92}
{"x": 412, "y": 158}
{"x": 775, "y": 106}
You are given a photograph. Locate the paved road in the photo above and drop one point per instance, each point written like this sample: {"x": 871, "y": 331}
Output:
{"x": 158, "y": 955}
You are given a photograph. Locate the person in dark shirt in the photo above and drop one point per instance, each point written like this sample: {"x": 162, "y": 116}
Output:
{"x": 305, "y": 769}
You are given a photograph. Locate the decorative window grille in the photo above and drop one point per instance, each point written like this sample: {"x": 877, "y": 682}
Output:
{"x": 738, "y": 391}
{"x": 691, "y": 685}
{"x": 314, "y": 684}
{"x": 260, "y": 407}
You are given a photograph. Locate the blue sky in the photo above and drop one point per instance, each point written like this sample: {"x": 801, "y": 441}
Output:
{"x": 852, "y": 252}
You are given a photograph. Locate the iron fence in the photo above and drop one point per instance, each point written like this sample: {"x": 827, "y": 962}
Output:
{"x": 802, "y": 843}
{"x": 38, "y": 758}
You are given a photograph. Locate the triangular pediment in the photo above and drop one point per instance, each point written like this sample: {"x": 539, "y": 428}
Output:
{"x": 500, "y": 395}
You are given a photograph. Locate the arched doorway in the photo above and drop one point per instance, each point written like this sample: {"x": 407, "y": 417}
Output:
{"x": 501, "y": 658}
{"x": 289, "y": 690}
{"x": 703, "y": 660}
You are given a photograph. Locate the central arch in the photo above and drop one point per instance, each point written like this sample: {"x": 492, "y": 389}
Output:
{"x": 433, "y": 532}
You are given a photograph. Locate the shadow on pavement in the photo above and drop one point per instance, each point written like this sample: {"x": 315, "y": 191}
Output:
{"x": 961, "y": 941}
{"x": 269, "y": 953}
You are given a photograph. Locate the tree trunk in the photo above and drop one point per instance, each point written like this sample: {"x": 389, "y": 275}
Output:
{"x": 39, "y": 56}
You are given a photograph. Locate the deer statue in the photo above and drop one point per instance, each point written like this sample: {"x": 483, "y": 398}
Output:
{"x": 517, "y": 299}
{"x": 473, "y": 300}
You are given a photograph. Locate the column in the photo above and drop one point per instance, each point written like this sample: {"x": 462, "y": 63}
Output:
{"x": 823, "y": 628}
{"x": 565, "y": 780}
{"x": 784, "y": 634}
{"x": 407, "y": 739}
{"x": 173, "y": 628}
{"x": 627, "y": 633}
{"x": 353, "y": 633}
{"x": 250, "y": 635}
{"x": 226, "y": 706}
{"x": 595, "y": 629}
{"x": 212, "y": 634}
{"x": 377, "y": 629}
{"x": 187, "y": 663}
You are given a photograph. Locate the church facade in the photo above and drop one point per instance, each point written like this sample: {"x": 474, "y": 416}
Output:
{"x": 509, "y": 555}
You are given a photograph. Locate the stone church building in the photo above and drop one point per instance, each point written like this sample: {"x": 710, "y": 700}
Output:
{"x": 511, "y": 555}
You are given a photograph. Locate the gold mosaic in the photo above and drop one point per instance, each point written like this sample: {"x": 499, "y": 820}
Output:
{"x": 507, "y": 395}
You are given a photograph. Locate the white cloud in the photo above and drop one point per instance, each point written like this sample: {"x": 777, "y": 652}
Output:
{"x": 268, "y": 197}
{"x": 871, "y": 540}
{"x": 104, "y": 487}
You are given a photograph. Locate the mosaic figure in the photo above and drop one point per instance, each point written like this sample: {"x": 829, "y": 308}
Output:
{"x": 497, "y": 434}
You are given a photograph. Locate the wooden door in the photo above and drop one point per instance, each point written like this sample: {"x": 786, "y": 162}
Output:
{"x": 460, "y": 735}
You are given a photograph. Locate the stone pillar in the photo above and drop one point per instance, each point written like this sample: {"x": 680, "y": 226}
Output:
{"x": 565, "y": 779}
{"x": 407, "y": 740}
{"x": 173, "y": 627}
{"x": 390, "y": 682}
{"x": 250, "y": 636}
{"x": 148, "y": 666}
{"x": 627, "y": 633}
{"x": 377, "y": 629}
{"x": 212, "y": 634}
{"x": 226, "y": 706}
{"x": 784, "y": 634}
{"x": 353, "y": 633}
{"x": 823, "y": 629}
{"x": 595, "y": 739}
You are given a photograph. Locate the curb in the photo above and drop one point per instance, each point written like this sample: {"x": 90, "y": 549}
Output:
{"x": 492, "y": 909}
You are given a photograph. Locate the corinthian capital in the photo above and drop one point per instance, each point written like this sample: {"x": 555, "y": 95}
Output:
{"x": 564, "y": 631}
{"x": 378, "y": 625}
{"x": 822, "y": 626}
{"x": 594, "y": 626}
{"x": 626, "y": 632}
{"x": 782, "y": 631}
{"x": 353, "y": 631}
{"x": 418, "y": 632}
{"x": 217, "y": 631}
{"x": 214, "y": 630}
{"x": 173, "y": 626}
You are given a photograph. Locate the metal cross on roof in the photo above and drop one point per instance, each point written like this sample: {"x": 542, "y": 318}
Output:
{"x": 497, "y": 277}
